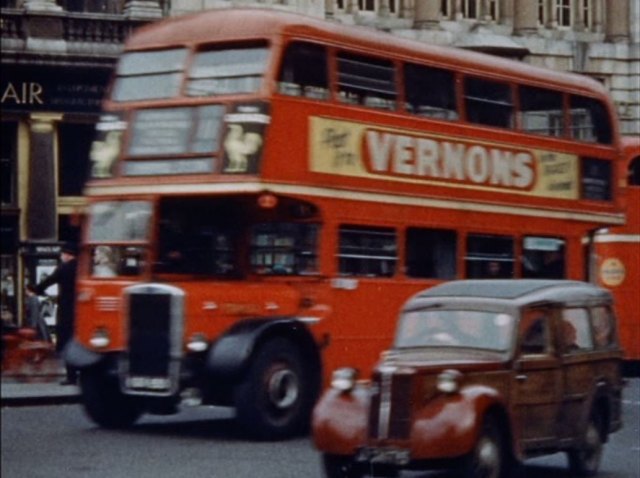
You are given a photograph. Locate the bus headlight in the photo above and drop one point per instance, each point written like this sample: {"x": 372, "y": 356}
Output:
{"x": 100, "y": 339}
{"x": 449, "y": 381}
{"x": 197, "y": 343}
{"x": 344, "y": 379}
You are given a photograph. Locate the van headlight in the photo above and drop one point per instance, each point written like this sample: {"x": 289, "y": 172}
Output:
{"x": 449, "y": 381}
{"x": 344, "y": 379}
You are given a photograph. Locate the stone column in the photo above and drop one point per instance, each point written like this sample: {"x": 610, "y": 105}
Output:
{"x": 427, "y": 14}
{"x": 329, "y": 9}
{"x": 552, "y": 14}
{"x": 525, "y": 19}
{"x": 42, "y": 217}
{"x": 618, "y": 21}
{"x": 457, "y": 10}
{"x": 577, "y": 13}
{"x": 383, "y": 8}
{"x": 506, "y": 12}
{"x": 598, "y": 16}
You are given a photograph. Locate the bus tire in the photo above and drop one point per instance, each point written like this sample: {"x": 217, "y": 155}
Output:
{"x": 103, "y": 401}
{"x": 274, "y": 399}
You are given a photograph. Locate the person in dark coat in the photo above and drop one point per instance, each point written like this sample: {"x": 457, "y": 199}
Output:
{"x": 65, "y": 276}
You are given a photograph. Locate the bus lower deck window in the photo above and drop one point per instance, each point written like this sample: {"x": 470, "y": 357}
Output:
{"x": 369, "y": 252}
{"x": 489, "y": 257}
{"x": 431, "y": 253}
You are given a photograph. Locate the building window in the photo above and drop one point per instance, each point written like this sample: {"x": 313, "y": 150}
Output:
{"x": 74, "y": 146}
{"x": 489, "y": 257}
{"x": 92, "y": 6}
{"x": 367, "y": 251}
{"x": 563, "y": 12}
{"x": 431, "y": 253}
{"x": 304, "y": 71}
{"x": 488, "y": 102}
{"x": 430, "y": 92}
{"x": 375, "y": 5}
{"x": 8, "y": 155}
{"x": 586, "y": 13}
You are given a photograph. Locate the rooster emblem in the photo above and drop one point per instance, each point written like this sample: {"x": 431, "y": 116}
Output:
{"x": 239, "y": 145}
{"x": 104, "y": 153}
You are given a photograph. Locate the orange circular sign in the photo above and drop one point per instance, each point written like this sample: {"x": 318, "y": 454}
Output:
{"x": 612, "y": 272}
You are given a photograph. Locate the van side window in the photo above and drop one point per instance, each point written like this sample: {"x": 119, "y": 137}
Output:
{"x": 575, "y": 331}
{"x": 603, "y": 324}
{"x": 534, "y": 333}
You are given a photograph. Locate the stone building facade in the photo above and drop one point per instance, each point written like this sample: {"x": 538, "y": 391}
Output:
{"x": 57, "y": 56}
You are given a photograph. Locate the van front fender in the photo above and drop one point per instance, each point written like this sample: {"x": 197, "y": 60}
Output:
{"x": 339, "y": 420}
{"x": 449, "y": 424}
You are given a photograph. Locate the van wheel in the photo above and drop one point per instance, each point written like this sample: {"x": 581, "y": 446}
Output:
{"x": 489, "y": 458}
{"x": 275, "y": 398}
{"x": 104, "y": 403}
{"x": 339, "y": 466}
{"x": 585, "y": 460}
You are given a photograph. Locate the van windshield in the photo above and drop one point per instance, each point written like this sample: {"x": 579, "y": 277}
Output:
{"x": 455, "y": 328}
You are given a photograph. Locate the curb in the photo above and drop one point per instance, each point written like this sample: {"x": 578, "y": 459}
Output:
{"x": 25, "y": 401}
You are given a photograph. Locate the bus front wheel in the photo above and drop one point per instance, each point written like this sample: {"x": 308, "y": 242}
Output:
{"x": 275, "y": 398}
{"x": 103, "y": 401}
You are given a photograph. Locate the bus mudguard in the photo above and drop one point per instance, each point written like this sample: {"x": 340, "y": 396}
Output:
{"x": 79, "y": 356}
{"x": 230, "y": 355}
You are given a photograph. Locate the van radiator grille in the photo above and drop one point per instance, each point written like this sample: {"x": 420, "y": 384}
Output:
{"x": 390, "y": 411}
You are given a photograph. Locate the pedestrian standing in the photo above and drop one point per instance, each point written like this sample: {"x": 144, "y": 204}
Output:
{"x": 65, "y": 277}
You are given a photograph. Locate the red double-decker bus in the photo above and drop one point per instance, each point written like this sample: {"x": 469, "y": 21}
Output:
{"x": 618, "y": 260}
{"x": 268, "y": 189}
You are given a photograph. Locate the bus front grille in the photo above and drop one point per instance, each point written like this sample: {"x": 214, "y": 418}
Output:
{"x": 155, "y": 323}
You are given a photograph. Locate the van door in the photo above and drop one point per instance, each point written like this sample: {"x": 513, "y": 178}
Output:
{"x": 537, "y": 381}
{"x": 580, "y": 369}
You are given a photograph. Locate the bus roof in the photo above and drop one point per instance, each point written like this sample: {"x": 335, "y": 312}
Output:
{"x": 252, "y": 23}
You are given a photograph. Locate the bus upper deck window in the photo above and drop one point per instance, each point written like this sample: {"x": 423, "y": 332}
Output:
{"x": 590, "y": 120}
{"x": 149, "y": 75}
{"x": 366, "y": 81}
{"x": 488, "y": 102}
{"x": 541, "y": 111}
{"x": 430, "y": 92}
{"x": 223, "y": 71}
{"x": 304, "y": 71}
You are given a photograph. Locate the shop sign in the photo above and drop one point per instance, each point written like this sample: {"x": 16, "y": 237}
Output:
{"x": 30, "y": 88}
